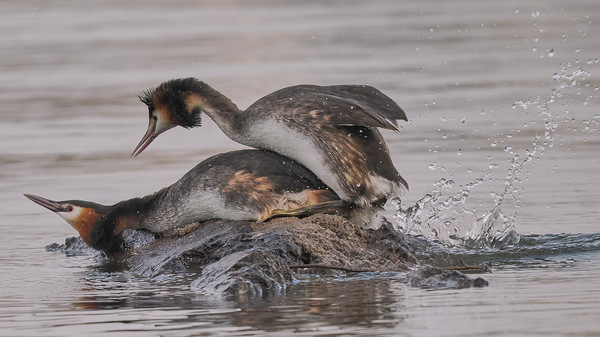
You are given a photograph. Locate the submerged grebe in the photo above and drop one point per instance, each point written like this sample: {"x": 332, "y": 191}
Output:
{"x": 332, "y": 130}
{"x": 241, "y": 185}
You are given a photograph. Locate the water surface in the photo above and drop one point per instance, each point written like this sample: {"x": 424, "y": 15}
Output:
{"x": 503, "y": 104}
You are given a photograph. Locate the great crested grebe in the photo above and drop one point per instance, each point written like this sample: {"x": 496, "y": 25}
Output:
{"x": 332, "y": 130}
{"x": 241, "y": 185}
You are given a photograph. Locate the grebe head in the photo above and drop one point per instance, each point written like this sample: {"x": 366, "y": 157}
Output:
{"x": 170, "y": 104}
{"x": 86, "y": 217}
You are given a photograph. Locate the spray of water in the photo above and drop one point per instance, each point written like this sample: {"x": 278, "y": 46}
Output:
{"x": 448, "y": 220}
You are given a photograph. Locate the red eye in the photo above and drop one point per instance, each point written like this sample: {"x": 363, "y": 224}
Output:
{"x": 69, "y": 208}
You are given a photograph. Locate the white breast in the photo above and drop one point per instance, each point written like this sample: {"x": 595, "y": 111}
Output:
{"x": 278, "y": 137}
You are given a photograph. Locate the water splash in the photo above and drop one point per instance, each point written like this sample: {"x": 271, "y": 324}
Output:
{"x": 448, "y": 220}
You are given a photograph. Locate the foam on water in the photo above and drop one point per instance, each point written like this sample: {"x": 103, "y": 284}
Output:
{"x": 448, "y": 219}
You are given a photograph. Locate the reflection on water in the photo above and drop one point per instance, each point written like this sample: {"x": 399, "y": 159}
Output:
{"x": 479, "y": 168}
{"x": 352, "y": 304}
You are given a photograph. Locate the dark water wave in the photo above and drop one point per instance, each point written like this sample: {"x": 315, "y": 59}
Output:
{"x": 426, "y": 250}
{"x": 534, "y": 246}
{"x": 528, "y": 251}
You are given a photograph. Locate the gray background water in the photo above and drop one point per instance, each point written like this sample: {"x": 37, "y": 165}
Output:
{"x": 69, "y": 119}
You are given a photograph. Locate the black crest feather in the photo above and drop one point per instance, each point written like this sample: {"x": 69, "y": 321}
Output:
{"x": 172, "y": 94}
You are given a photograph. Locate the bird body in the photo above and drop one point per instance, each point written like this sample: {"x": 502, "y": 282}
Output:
{"x": 250, "y": 185}
{"x": 332, "y": 130}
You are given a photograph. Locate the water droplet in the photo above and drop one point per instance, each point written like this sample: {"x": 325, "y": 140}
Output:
{"x": 535, "y": 14}
{"x": 459, "y": 152}
{"x": 551, "y": 52}
{"x": 494, "y": 143}
{"x": 432, "y": 167}
{"x": 493, "y": 165}
{"x": 444, "y": 136}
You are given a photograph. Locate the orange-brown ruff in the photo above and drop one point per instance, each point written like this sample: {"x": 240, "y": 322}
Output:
{"x": 332, "y": 130}
{"x": 241, "y": 185}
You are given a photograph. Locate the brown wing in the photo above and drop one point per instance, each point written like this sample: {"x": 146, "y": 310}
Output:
{"x": 343, "y": 105}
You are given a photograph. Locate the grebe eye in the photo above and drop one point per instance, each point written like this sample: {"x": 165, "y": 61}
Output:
{"x": 69, "y": 208}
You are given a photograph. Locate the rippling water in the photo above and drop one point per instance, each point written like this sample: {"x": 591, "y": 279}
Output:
{"x": 501, "y": 153}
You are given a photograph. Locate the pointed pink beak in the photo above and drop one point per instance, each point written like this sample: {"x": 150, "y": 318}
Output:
{"x": 47, "y": 203}
{"x": 147, "y": 139}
